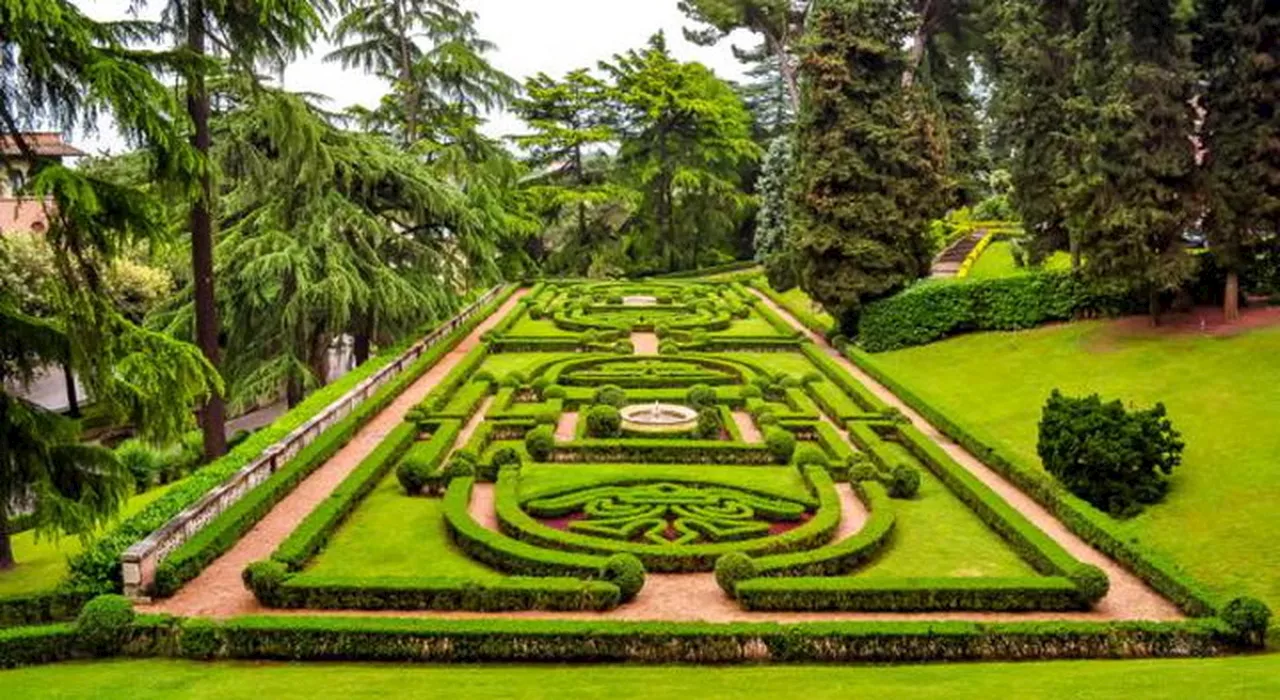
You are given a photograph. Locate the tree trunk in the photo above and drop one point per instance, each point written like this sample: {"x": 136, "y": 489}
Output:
{"x": 362, "y": 341}
{"x": 213, "y": 415}
{"x": 1074, "y": 243}
{"x": 6, "y": 546}
{"x": 320, "y": 357}
{"x": 73, "y": 401}
{"x": 787, "y": 69}
{"x": 293, "y": 391}
{"x": 1231, "y": 298}
{"x": 665, "y": 228}
{"x": 1153, "y": 306}
{"x": 915, "y": 56}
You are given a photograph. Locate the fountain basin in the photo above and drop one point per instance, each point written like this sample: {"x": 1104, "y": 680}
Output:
{"x": 659, "y": 418}
{"x": 639, "y": 300}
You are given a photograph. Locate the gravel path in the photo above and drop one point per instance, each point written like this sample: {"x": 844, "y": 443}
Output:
{"x": 746, "y": 426}
{"x": 645, "y": 343}
{"x": 1130, "y": 598}
{"x": 567, "y": 426}
{"x": 218, "y": 590}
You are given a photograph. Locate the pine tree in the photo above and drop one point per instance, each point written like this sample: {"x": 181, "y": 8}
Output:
{"x": 773, "y": 220}
{"x": 780, "y": 23}
{"x": 1238, "y": 52}
{"x": 1131, "y": 178}
{"x": 867, "y": 180}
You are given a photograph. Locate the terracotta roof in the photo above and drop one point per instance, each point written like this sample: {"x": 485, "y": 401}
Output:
{"x": 22, "y": 214}
{"x": 44, "y": 143}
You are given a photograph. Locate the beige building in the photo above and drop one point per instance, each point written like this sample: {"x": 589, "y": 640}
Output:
{"x": 18, "y": 210}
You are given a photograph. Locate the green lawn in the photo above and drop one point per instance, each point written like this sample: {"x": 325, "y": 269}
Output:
{"x": 539, "y": 479}
{"x": 503, "y": 364}
{"x": 391, "y": 534}
{"x": 42, "y": 564}
{"x": 1220, "y": 519}
{"x": 997, "y": 261}
{"x": 1234, "y": 677}
{"x": 795, "y": 298}
{"x": 752, "y": 325}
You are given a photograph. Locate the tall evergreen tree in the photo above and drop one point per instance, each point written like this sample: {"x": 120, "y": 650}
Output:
{"x": 1131, "y": 183}
{"x": 773, "y": 220}
{"x": 867, "y": 181}
{"x": 1238, "y": 52}
{"x": 780, "y": 23}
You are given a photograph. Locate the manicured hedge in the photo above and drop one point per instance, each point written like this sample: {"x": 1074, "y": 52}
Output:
{"x": 651, "y": 451}
{"x": 314, "y": 532}
{"x": 37, "y": 608}
{"x": 1094, "y": 527}
{"x": 98, "y": 567}
{"x": 804, "y": 316}
{"x": 845, "y": 555}
{"x": 852, "y": 593}
{"x": 421, "y": 466}
{"x": 24, "y": 646}
{"x": 929, "y": 312}
{"x": 837, "y": 375}
{"x": 706, "y": 271}
{"x": 408, "y": 593}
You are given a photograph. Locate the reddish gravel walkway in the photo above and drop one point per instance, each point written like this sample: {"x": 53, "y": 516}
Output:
{"x": 645, "y": 343}
{"x": 746, "y": 426}
{"x": 1130, "y": 598}
{"x": 218, "y": 590}
{"x": 567, "y": 426}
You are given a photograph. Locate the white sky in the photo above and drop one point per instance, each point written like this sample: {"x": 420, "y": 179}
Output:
{"x": 551, "y": 36}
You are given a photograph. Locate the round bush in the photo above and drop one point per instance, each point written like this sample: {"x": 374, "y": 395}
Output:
{"x": 506, "y": 457}
{"x": 623, "y": 347}
{"x": 781, "y": 444}
{"x": 701, "y": 396}
{"x": 611, "y": 395}
{"x": 555, "y": 391}
{"x": 708, "y": 423}
{"x": 459, "y": 467}
{"x": 668, "y": 347}
{"x": 413, "y": 476}
{"x": 604, "y": 421}
{"x": 103, "y": 624}
{"x": 766, "y": 419}
{"x": 1248, "y": 617}
{"x": 861, "y": 468}
{"x": 751, "y": 392}
{"x": 904, "y": 482}
{"x": 812, "y": 377}
{"x": 810, "y": 454}
{"x": 732, "y": 568}
{"x": 539, "y": 442}
{"x": 626, "y": 572}
{"x": 662, "y": 330}
{"x": 540, "y": 385}
{"x": 788, "y": 382}
{"x": 1091, "y": 581}
{"x": 483, "y": 375}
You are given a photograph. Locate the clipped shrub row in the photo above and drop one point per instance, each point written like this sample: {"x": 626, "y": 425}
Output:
{"x": 651, "y": 451}
{"x": 408, "y": 593}
{"x": 1094, "y": 527}
{"x": 851, "y": 593}
{"x": 842, "y": 556}
{"x": 98, "y": 567}
{"x": 420, "y": 468}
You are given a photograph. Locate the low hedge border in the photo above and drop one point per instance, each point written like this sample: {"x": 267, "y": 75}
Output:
{"x": 966, "y": 266}
{"x": 806, "y": 318}
{"x": 335, "y": 638}
{"x": 97, "y": 569}
{"x": 407, "y": 593}
{"x": 849, "y": 593}
{"x": 854, "y": 389}
{"x": 845, "y": 555}
{"x": 618, "y": 451}
{"x": 819, "y": 530}
{"x": 39, "y": 608}
{"x": 1160, "y": 572}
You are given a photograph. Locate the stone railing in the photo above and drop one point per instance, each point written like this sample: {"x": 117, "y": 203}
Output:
{"x": 138, "y": 563}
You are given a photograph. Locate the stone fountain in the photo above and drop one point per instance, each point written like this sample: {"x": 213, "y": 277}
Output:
{"x": 659, "y": 418}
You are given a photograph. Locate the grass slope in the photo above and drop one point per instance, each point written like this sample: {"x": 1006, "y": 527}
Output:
{"x": 1219, "y": 520}
{"x": 997, "y": 261}
{"x": 1235, "y": 677}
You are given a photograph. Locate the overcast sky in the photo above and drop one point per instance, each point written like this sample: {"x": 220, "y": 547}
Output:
{"x": 551, "y": 36}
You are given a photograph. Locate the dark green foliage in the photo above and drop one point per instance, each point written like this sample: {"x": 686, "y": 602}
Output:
{"x": 1249, "y": 618}
{"x": 904, "y": 482}
{"x": 709, "y": 424}
{"x": 811, "y": 454}
{"x": 868, "y": 180}
{"x": 199, "y": 639}
{"x": 627, "y": 573}
{"x": 732, "y": 569}
{"x": 540, "y": 442}
{"x": 265, "y": 578}
{"x": 506, "y": 457}
{"x": 610, "y": 394}
{"x": 103, "y": 624}
{"x": 909, "y": 595}
{"x": 408, "y": 593}
{"x": 604, "y": 421}
{"x": 458, "y": 467}
{"x": 700, "y": 396}
{"x": 781, "y": 444}
{"x": 1115, "y": 459}
{"x": 1091, "y": 581}
{"x": 553, "y": 392}
{"x": 419, "y": 470}
{"x": 931, "y": 312}
{"x": 773, "y": 220}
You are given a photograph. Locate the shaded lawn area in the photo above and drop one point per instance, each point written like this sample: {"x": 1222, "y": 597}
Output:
{"x": 502, "y": 364}
{"x": 42, "y": 564}
{"x": 752, "y": 325}
{"x": 997, "y": 261}
{"x": 1233, "y": 677}
{"x": 391, "y": 534}
{"x": 1219, "y": 520}
{"x": 796, "y": 299}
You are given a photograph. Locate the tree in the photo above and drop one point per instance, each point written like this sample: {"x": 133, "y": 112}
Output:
{"x": 1131, "y": 181}
{"x": 67, "y": 69}
{"x": 1115, "y": 459}
{"x": 247, "y": 32}
{"x": 684, "y": 133}
{"x": 1238, "y": 53}
{"x": 779, "y": 22}
{"x": 868, "y": 181}
{"x": 773, "y": 220}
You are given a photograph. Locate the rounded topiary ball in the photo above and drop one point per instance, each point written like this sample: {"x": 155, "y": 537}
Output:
{"x": 103, "y": 624}
{"x": 604, "y": 421}
{"x": 781, "y": 444}
{"x": 1091, "y": 581}
{"x": 809, "y": 454}
{"x": 612, "y": 395}
{"x": 904, "y": 483}
{"x": 506, "y": 457}
{"x": 701, "y": 396}
{"x": 733, "y": 568}
{"x": 1248, "y": 618}
{"x": 626, "y": 572}
{"x": 555, "y": 391}
{"x": 539, "y": 442}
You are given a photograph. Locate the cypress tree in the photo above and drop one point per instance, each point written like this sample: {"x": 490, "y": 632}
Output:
{"x": 1238, "y": 52}
{"x": 868, "y": 173}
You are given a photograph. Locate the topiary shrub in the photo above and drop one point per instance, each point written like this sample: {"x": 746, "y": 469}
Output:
{"x": 104, "y": 623}
{"x": 861, "y": 468}
{"x": 708, "y": 427}
{"x": 483, "y": 375}
{"x": 787, "y": 381}
{"x": 547, "y": 416}
{"x": 540, "y": 442}
{"x": 700, "y": 396}
{"x": 1092, "y": 582}
{"x": 604, "y": 421}
{"x": 264, "y": 578}
{"x": 506, "y": 457}
{"x": 781, "y": 444}
{"x": 733, "y": 568}
{"x": 460, "y": 465}
{"x": 626, "y": 572}
{"x": 812, "y": 377}
{"x": 1113, "y": 458}
{"x": 662, "y": 330}
{"x": 752, "y": 392}
{"x": 904, "y": 482}
{"x": 1248, "y": 618}
{"x": 413, "y": 475}
{"x": 540, "y": 385}
{"x": 623, "y": 347}
{"x": 611, "y": 395}
{"x": 811, "y": 454}
{"x": 555, "y": 391}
